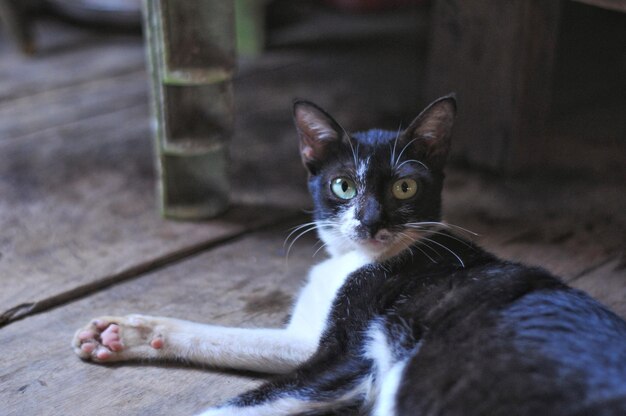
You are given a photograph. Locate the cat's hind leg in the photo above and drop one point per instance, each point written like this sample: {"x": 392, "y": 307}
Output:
{"x": 342, "y": 388}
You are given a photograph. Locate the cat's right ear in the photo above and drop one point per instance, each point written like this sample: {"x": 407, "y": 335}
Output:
{"x": 430, "y": 132}
{"x": 318, "y": 133}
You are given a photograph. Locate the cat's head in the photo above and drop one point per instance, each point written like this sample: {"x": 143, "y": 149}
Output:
{"x": 375, "y": 191}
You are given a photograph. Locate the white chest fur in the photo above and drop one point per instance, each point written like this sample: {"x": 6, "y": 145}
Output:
{"x": 310, "y": 313}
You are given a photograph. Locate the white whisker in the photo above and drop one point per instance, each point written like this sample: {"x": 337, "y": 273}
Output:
{"x": 413, "y": 240}
{"x": 395, "y": 142}
{"x": 318, "y": 250}
{"x": 307, "y": 227}
{"x": 403, "y": 149}
{"x": 408, "y": 246}
{"x": 414, "y": 161}
{"x": 315, "y": 224}
{"x": 423, "y": 242}
{"x": 446, "y": 248}
{"x": 296, "y": 228}
{"x": 354, "y": 154}
{"x": 297, "y": 237}
{"x": 450, "y": 236}
{"x": 426, "y": 254}
{"x": 318, "y": 242}
{"x": 443, "y": 224}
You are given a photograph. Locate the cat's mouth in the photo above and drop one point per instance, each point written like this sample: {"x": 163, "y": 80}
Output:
{"x": 381, "y": 242}
{"x": 374, "y": 244}
{"x": 380, "y": 239}
{"x": 388, "y": 243}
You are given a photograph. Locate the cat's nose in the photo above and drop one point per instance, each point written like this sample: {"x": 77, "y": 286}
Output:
{"x": 370, "y": 218}
{"x": 368, "y": 229}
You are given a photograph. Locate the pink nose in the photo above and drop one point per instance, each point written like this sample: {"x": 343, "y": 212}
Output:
{"x": 383, "y": 235}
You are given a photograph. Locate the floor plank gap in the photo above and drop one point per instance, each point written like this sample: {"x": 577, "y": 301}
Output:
{"x": 24, "y": 310}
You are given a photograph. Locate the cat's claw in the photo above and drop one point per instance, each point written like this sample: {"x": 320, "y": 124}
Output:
{"x": 110, "y": 339}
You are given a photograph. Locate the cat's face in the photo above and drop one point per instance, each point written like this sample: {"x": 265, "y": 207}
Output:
{"x": 375, "y": 191}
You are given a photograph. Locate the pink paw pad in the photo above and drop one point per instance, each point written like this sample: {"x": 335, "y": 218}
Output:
{"x": 103, "y": 354}
{"x": 85, "y": 335}
{"x": 116, "y": 346}
{"x": 100, "y": 324}
{"x": 88, "y": 347}
{"x": 111, "y": 338}
{"x": 157, "y": 343}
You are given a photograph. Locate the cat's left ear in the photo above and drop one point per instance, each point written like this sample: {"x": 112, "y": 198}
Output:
{"x": 319, "y": 133}
{"x": 429, "y": 134}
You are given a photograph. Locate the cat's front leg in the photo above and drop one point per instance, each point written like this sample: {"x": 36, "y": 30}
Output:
{"x": 122, "y": 338}
{"x": 141, "y": 337}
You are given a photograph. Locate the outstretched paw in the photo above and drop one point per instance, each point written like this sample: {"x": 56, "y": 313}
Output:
{"x": 109, "y": 339}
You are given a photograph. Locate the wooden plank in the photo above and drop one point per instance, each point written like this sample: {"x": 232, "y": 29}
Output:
{"x": 502, "y": 74}
{"x": 246, "y": 283}
{"x": 562, "y": 249}
{"x": 48, "y": 109}
{"x": 78, "y": 208}
{"x": 68, "y": 57}
{"x": 606, "y": 283}
{"x": 564, "y": 225}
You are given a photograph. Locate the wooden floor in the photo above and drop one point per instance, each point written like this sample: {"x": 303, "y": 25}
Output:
{"x": 81, "y": 236}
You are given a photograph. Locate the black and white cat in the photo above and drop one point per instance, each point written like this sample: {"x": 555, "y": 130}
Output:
{"x": 406, "y": 317}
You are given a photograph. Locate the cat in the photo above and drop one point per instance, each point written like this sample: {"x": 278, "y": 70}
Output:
{"x": 406, "y": 316}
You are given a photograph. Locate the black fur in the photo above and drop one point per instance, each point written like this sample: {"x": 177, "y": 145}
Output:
{"x": 480, "y": 336}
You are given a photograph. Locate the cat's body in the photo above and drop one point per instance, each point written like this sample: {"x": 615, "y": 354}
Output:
{"x": 413, "y": 337}
{"x": 406, "y": 317}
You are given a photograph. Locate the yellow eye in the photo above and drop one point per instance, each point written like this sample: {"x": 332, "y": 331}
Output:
{"x": 405, "y": 188}
{"x": 344, "y": 188}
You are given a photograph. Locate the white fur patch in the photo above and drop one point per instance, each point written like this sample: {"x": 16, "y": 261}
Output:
{"x": 377, "y": 349}
{"x": 349, "y": 223}
{"x": 292, "y": 405}
{"x": 362, "y": 168}
{"x": 388, "y": 368}
{"x": 316, "y": 298}
{"x": 282, "y": 406}
{"x": 386, "y": 400}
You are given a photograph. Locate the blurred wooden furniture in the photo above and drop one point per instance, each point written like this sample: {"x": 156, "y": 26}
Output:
{"x": 191, "y": 56}
{"x": 191, "y": 53}
{"x": 499, "y": 58}
{"x": 16, "y": 15}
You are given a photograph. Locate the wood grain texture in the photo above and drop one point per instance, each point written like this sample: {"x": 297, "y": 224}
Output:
{"x": 80, "y": 208}
{"x": 565, "y": 226}
{"x": 191, "y": 49}
{"x": 498, "y": 57}
{"x": 77, "y": 179}
{"x": 246, "y": 283}
{"x": 607, "y": 283}
{"x": 64, "y": 105}
{"x": 68, "y": 56}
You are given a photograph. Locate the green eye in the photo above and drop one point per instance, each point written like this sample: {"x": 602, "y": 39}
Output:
{"x": 404, "y": 188}
{"x": 344, "y": 188}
